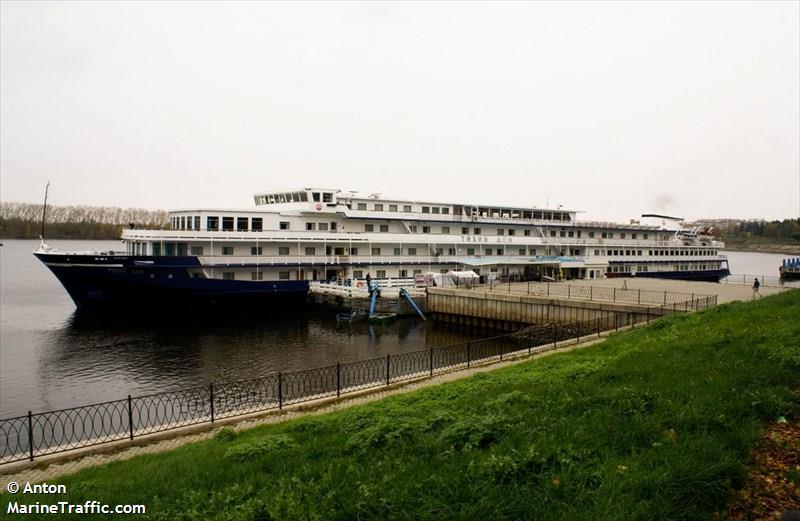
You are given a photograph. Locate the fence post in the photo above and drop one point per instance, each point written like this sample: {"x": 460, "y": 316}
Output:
{"x": 665, "y": 298}
{"x": 693, "y": 306}
{"x": 616, "y": 322}
{"x": 502, "y": 346}
{"x": 388, "y": 361}
{"x": 614, "y": 299}
{"x": 30, "y": 434}
{"x": 529, "y": 287}
{"x": 590, "y": 292}
{"x": 548, "y": 289}
{"x": 211, "y": 399}
{"x": 639, "y": 300}
{"x": 469, "y": 350}
{"x": 130, "y": 415}
{"x": 280, "y": 390}
{"x": 598, "y": 327}
{"x": 529, "y": 342}
{"x": 569, "y": 291}
{"x": 555, "y": 342}
{"x": 338, "y": 380}
{"x": 431, "y": 360}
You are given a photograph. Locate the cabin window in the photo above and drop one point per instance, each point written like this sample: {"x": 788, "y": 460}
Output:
{"x": 512, "y": 231}
{"x": 376, "y": 251}
{"x": 369, "y": 228}
{"x": 417, "y": 272}
{"x": 311, "y": 250}
{"x": 333, "y": 227}
{"x": 571, "y": 233}
{"x": 412, "y": 251}
{"x": 487, "y": 251}
{"x": 227, "y": 250}
{"x": 403, "y": 273}
{"x": 435, "y": 209}
{"x": 646, "y": 236}
{"x": 228, "y": 275}
{"x": 283, "y": 250}
{"x": 315, "y": 196}
{"x": 156, "y": 249}
{"x": 256, "y": 250}
{"x": 426, "y": 209}
{"x": 381, "y": 274}
{"x": 413, "y": 228}
{"x": 362, "y": 206}
{"x": 327, "y": 197}
{"x": 451, "y": 251}
{"x": 283, "y": 225}
{"x": 384, "y": 228}
{"x": 522, "y": 251}
{"x": 323, "y": 227}
{"x": 257, "y": 224}
{"x": 622, "y": 235}
{"x": 464, "y": 231}
{"x": 283, "y": 275}
{"x": 426, "y": 229}
{"x": 392, "y": 207}
{"x": 470, "y": 251}
{"x": 195, "y": 250}
{"x": 476, "y": 231}
{"x": 407, "y": 208}
{"x": 183, "y": 223}
{"x": 500, "y": 231}
{"x": 256, "y": 275}
{"x": 241, "y": 224}
{"x": 562, "y": 233}
{"x": 527, "y": 233}
{"x": 397, "y": 251}
{"x": 552, "y": 233}
{"x": 591, "y": 235}
{"x": 311, "y": 227}
{"x": 353, "y": 251}
{"x": 605, "y": 235}
{"x": 378, "y": 207}
{"x": 358, "y": 274}
{"x": 446, "y": 210}
{"x": 445, "y": 230}
{"x": 338, "y": 251}
{"x": 499, "y": 251}
{"x": 227, "y": 223}
{"x": 634, "y": 235}
{"x": 212, "y": 223}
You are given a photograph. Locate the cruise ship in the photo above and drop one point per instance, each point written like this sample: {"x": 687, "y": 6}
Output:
{"x": 270, "y": 252}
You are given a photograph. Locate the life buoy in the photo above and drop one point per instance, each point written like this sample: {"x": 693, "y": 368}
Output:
{"x": 360, "y": 284}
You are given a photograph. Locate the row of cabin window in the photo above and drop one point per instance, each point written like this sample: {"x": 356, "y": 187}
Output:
{"x": 329, "y": 250}
{"x": 658, "y": 253}
{"x": 679, "y": 267}
{"x": 407, "y": 208}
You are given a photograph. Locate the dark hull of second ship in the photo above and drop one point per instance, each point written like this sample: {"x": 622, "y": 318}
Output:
{"x": 111, "y": 282}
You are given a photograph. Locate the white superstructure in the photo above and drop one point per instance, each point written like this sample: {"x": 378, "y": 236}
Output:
{"x": 319, "y": 234}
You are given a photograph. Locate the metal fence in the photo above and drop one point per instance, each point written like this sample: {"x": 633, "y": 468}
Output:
{"x": 39, "y": 434}
{"x": 765, "y": 280}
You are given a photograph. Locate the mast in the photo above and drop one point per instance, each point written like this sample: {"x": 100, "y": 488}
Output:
{"x": 44, "y": 210}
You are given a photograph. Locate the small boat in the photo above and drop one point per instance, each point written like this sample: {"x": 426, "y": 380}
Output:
{"x": 382, "y": 318}
{"x": 790, "y": 269}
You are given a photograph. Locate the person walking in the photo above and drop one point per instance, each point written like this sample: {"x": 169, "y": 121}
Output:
{"x": 756, "y": 286}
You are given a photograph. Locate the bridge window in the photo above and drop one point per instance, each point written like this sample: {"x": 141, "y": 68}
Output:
{"x": 327, "y": 197}
{"x": 315, "y": 196}
{"x": 227, "y": 223}
{"x": 323, "y": 227}
{"x": 333, "y": 227}
{"x": 212, "y": 223}
{"x": 464, "y": 231}
{"x": 241, "y": 224}
{"x": 446, "y": 210}
{"x": 470, "y": 251}
{"x": 435, "y": 209}
{"x": 257, "y": 224}
{"x": 445, "y": 229}
{"x": 310, "y": 227}
{"x": 426, "y": 209}
{"x": 476, "y": 231}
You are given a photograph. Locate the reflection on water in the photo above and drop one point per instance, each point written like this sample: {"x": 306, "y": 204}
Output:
{"x": 52, "y": 358}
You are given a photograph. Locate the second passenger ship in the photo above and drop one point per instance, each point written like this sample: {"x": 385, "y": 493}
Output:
{"x": 272, "y": 251}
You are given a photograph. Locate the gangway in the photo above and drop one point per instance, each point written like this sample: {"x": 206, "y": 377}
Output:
{"x": 404, "y": 294}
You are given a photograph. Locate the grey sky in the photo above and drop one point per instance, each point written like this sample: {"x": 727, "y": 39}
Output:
{"x": 612, "y": 108}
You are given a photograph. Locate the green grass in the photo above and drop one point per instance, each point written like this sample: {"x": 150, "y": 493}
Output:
{"x": 651, "y": 424}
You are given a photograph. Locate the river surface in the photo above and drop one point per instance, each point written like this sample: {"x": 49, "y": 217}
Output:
{"x": 51, "y": 359}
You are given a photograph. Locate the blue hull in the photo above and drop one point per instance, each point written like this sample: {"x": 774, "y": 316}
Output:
{"x": 104, "y": 282}
{"x": 697, "y": 276}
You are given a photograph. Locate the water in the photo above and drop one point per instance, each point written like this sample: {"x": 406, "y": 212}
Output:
{"x": 49, "y": 359}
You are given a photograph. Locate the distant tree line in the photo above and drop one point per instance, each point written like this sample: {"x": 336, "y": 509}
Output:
{"x": 23, "y": 221}
{"x": 785, "y": 230}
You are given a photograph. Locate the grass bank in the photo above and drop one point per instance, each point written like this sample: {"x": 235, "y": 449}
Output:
{"x": 651, "y": 424}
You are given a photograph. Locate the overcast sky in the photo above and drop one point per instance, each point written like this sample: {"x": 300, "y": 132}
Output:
{"x": 611, "y": 108}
